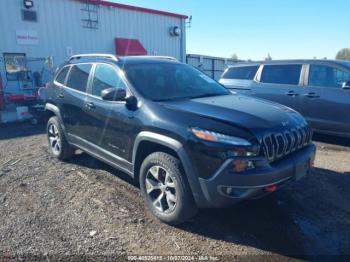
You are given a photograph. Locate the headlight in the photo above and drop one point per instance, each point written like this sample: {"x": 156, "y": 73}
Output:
{"x": 221, "y": 138}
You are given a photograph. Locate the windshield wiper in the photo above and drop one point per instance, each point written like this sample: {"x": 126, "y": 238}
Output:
{"x": 205, "y": 95}
{"x": 170, "y": 99}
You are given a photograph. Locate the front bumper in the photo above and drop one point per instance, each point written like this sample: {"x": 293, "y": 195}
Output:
{"x": 226, "y": 187}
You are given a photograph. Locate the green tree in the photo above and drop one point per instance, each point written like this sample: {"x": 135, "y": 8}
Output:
{"x": 234, "y": 56}
{"x": 343, "y": 54}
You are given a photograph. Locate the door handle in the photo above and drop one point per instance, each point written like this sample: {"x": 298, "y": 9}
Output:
{"x": 291, "y": 93}
{"x": 90, "y": 105}
{"x": 312, "y": 95}
{"x": 60, "y": 95}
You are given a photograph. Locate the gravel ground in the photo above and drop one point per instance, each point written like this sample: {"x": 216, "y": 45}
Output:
{"x": 85, "y": 208}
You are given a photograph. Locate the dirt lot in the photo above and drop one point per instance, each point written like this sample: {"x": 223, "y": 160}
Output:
{"x": 84, "y": 208}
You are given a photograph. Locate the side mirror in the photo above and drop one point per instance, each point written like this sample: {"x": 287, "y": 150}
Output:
{"x": 113, "y": 94}
{"x": 131, "y": 103}
{"x": 346, "y": 85}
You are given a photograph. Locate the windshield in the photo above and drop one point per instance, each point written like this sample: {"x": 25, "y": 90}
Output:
{"x": 165, "y": 81}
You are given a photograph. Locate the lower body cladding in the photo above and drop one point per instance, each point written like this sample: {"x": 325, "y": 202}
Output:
{"x": 227, "y": 187}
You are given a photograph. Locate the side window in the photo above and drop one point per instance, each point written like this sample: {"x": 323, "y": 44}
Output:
{"x": 281, "y": 74}
{"x": 105, "y": 77}
{"x": 245, "y": 72}
{"x": 326, "y": 76}
{"x": 78, "y": 77}
{"x": 61, "y": 77}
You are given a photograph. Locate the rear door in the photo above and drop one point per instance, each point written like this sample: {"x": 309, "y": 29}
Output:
{"x": 72, "y": 97}
{"x": 239, "y": 78}
{"x": 279, "y": 83}
{"x": 325, "y": 104}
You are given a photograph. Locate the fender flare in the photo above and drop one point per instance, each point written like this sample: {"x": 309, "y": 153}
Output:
{"x": 176, "y": 146}
{"x": 56, "y": 111}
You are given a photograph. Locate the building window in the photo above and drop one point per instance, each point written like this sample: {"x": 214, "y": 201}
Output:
{"x": 28, "y": 15}
{"x": 15, "y": 64}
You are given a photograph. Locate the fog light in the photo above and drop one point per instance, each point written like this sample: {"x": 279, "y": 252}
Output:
{"x": 242, "y": 165}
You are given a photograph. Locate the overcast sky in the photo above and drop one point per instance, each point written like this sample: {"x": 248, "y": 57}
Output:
{"x": 253, "y": 28}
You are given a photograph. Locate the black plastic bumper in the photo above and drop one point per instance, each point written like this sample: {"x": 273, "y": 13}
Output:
{"x": 226, "y": 187}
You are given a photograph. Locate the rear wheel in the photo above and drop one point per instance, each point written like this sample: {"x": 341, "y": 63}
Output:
{"x": 165, "y": 188}
{"x": 58, "y": 144}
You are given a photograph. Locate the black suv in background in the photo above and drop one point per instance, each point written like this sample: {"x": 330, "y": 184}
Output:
{"x": 185, "y": 138}
{"x": 318, "y": 89}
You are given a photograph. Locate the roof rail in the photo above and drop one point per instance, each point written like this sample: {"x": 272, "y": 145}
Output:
{"x": 156, "y": 57}
{"x": 113, "y": 57}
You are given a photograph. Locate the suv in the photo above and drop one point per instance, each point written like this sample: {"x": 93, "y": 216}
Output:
{"x": 183, "y": 137}
{"x": 318, "y": 89}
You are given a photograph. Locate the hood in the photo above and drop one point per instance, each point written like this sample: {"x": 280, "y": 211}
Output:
{"x": 242, "y": 111}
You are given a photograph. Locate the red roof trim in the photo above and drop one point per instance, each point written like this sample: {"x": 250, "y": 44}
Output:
{"x": 134, "y": 8}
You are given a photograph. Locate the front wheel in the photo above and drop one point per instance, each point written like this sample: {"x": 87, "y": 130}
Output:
{"x": 165, "y": 188}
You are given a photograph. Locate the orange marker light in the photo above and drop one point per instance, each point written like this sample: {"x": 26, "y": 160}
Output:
{"x": 205, "y": 136}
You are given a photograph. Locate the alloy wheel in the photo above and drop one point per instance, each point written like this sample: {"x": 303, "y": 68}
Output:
{"x": 161, "y": 189}
{"x": 54, "y": 139}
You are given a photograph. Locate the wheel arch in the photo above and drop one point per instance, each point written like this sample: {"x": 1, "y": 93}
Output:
{"x": 149, "y": 142}
{"x": 52, "y": 110}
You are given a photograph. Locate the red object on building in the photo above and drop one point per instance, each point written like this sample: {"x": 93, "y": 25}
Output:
{"x": 2, "y": 101}
{"x": 126, "y": 46}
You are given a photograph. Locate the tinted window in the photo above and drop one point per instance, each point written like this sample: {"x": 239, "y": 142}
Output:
{"x": 167, "y": 81}
{"x": 327, "y": 76}
{"x": 245, "y": 72}
{"x": 105, "y": 77}
{"x": 78, "y": 77}
{"x": 61, "y": 77}
{"x": 281, "y": 74}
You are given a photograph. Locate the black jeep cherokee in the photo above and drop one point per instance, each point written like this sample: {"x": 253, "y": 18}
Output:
{"x": 187, "y": 140}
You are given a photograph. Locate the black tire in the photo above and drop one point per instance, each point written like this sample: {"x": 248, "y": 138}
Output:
{"x": 59, "y": 148}
{"x": 166, "y": 165}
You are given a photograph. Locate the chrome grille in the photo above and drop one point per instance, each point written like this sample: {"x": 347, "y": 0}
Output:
{"x": 279, "y": 144}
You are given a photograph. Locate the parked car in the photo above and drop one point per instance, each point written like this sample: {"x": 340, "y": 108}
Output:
{"x": 186, "y": 139}
{"x": 318, "y": 89}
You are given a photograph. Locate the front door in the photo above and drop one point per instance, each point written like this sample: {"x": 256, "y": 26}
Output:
{"x": 112, "y": 124}
{"x": 326, "y": 105}
{"x": 279, "y": 83}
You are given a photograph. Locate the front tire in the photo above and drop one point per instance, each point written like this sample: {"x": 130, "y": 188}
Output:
{"x": 58, "y": 144}
{"x": 165, "y": 189}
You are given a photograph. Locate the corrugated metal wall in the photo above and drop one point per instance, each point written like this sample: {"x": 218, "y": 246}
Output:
{"x": 212, "y": 66}
{"x": 60, "y": 28}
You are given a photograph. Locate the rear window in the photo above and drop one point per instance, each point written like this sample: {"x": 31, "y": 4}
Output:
{"x": 78, "y": 77}
{"x": 281, "y": 74}
{"x": 244, "y": 72}
{"x": 61, "y": 77}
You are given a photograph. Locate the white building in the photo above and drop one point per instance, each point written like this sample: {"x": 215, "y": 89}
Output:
{"x": 33, "y": 30}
